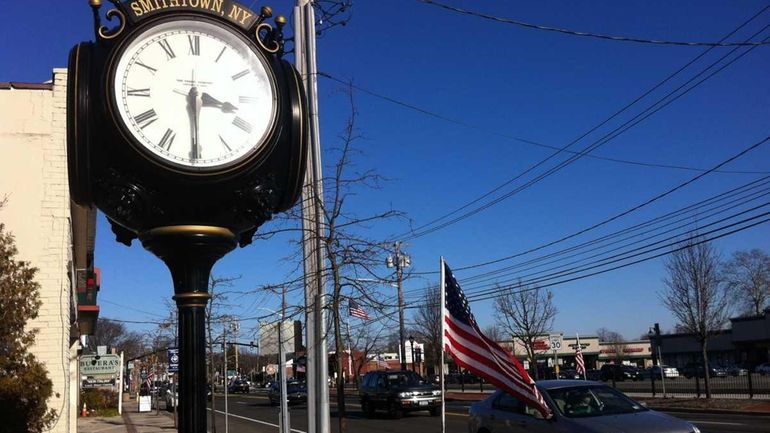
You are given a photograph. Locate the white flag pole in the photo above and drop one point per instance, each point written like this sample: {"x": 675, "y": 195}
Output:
{"x": 442, "y": 306}
{"x": 581, "y": 354}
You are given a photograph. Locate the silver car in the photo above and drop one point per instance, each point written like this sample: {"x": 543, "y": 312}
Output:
{"x": 577, "y": 406}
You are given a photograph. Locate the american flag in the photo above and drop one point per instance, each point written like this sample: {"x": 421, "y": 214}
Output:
{"x": 472, "y": 350}
{"x": 581, "y": 366}
{"x": 355, "y": 310}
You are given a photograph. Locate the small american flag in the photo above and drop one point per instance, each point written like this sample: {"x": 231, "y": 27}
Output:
{"x": 355, "y": 310}
{"x": 581, "y": 366}
{"x": 472, "y": 350}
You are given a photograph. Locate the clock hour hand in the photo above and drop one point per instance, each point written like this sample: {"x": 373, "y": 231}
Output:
{"x": 210, "y": 101}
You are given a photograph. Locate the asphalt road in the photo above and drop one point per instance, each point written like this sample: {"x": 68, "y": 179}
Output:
{"x": 253, "y": 413}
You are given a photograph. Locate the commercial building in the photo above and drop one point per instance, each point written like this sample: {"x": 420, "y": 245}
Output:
{"x": 52, "y": 233}
{"x": 746, "y": 342}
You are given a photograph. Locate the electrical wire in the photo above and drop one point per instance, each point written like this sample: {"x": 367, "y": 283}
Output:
{"x": 605, "y": 139}
{"x": 588, "y": 34}
{"x": 737, "y": 197}
{"x": 445, "y": 118}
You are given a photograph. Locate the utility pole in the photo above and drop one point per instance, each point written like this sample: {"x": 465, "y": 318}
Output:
{"x": 236, "y": 328}
{"x": 313, "y": 227}
{"x": 400, "y": 261}
{"x": 285, "y": 427}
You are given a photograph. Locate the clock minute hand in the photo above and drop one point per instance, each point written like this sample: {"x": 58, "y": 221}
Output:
{"x": 210, "y": 101}
{"x": 194, "y": 104}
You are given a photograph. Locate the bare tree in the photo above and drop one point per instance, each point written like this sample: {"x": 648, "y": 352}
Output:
{"x": 616, "y": 342}
{"x": 525, "y": 312}
{"x": 494, "y": 333}
{"x": 354, "y": 261}
{"x": 365, "y": 342}
{"x": 427, "y": 325}
{"x": 214, "y": 316}
{"x": 115, "y": 334}
{"x": 748, "y": 275}
{"x": 695, "y": 294}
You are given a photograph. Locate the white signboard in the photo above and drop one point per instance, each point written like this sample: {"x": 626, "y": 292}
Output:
{"x": 145, "y": 403}
{"x": 92, "y": 365}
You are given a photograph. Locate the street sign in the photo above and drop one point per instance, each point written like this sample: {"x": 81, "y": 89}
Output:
{"x": 555, "y": 341}
{"x": 173, "y": 360}
{"x": 91, "y": 365}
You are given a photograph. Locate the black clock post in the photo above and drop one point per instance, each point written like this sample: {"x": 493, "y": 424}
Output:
{"x": 190, "y": 252}
{"x": 129, "y": 157}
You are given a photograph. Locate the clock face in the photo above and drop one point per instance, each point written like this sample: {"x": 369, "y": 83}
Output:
{"x": 195, "y": 95}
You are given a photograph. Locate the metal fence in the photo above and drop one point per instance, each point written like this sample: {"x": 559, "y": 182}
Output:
{"x": 750, "y": 385}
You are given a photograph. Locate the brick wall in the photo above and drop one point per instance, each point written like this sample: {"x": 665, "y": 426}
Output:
{"x": 33, "y": 174}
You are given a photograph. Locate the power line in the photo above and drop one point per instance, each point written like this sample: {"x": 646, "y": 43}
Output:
{"x": 699, "y": 238}
{"x": 589, "y": 34}
{"x": 649, "y": 111}
{"x": 632, "y": 251}
{"x": 627, "y": 211}
{"x": 445, "y": 118}
{"x": 746, "y": 192}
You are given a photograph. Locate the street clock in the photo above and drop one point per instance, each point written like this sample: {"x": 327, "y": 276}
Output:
{"x": 184, "y": 112}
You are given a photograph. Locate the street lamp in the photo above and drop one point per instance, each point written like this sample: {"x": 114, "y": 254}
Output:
{"x": 400, "y": 261}
{"x": 411, "y": 343}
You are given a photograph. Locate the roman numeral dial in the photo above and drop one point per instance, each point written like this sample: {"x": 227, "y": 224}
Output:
{"x": 194, "y": 95}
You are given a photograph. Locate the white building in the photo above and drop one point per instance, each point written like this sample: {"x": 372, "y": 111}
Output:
{"x": 51, "y": 233}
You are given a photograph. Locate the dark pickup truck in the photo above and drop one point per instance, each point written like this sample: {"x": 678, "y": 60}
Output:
{"x": 397, "y": 392}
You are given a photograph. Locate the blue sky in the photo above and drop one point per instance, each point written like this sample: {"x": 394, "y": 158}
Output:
{"x": 495, "y": 81}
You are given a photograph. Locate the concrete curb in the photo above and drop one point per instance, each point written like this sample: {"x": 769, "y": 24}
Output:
{"x": 709, "y": 411}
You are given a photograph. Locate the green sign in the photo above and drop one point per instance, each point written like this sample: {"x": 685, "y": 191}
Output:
{"x": 91, "y": 365}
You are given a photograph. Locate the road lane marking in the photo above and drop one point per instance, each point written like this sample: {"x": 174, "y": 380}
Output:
{"x": 714, "y": 422}
{"x": 253, "y": 420}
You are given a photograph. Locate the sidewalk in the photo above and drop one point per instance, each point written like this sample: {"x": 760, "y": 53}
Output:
{"x": 131, "y": 422}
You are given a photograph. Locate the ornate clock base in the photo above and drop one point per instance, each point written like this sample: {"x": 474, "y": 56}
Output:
{"x": 190, "y": 252}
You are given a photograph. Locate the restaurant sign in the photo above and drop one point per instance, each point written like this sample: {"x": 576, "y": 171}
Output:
{"x": 91, "y": 365}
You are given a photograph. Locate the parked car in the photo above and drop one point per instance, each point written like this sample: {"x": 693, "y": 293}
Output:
{"x": 398, "y": 392}
{"x": 595, "y": 375}
{"x": 735, "y": 370}
{"x": 763, "y": 369}
{"x": 620, "y": 372}
{"x": 568, "y": 373}
{"x": 694, "y": 369}
{"x": 577, "y": 407}
{"x": 237, "y": 386}
{"x": 296, "y": 392}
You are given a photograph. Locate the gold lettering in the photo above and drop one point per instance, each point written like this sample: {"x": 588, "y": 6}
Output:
{"x": 205, "y": 4}
{"x": 246, "y": 16}
{"x": 146, "y": 6}
{"x": 137, "y": 9}
{"x": 157, "y": 5}
{"x": 235, "y": 12}
{"x": 165, "y": 5}
{"x": 194, "y": 3}
{"x": 217, "y": 6}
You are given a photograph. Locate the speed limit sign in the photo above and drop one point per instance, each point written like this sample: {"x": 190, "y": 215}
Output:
{"x": 555, "y": 342}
